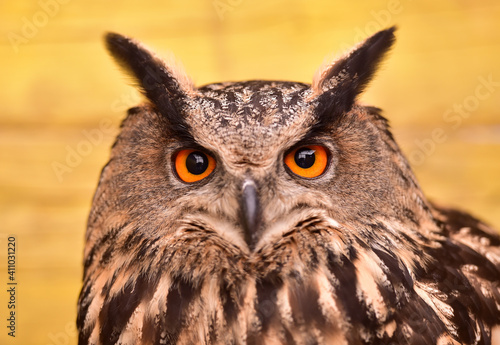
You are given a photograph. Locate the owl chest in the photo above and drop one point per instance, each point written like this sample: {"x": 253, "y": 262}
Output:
{"x": 305, "y": 288}
{"x": 289, "y": 291}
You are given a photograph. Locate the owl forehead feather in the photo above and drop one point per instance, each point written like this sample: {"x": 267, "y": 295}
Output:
{"x": 252, "y": 104}
{"x": 246, "y": 116}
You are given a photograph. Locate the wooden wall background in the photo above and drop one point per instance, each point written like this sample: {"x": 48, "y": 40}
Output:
{"x": 58, "y": 87}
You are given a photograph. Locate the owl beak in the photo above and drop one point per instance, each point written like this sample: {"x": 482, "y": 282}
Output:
{"x": 250, "y": 212}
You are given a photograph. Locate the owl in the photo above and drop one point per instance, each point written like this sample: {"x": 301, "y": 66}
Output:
{"x": 275, "y": 212}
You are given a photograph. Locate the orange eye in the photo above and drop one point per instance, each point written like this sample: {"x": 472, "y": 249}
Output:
{"x": 193, "y": 165}
{"x": 307, "y": 161}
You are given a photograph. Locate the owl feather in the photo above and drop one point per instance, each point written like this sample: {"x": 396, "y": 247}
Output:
{"x": 274, "y": 212}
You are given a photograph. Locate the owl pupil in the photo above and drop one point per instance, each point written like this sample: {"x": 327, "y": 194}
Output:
{"x": 196, "y": 163}
{"x": 305, "y": 158}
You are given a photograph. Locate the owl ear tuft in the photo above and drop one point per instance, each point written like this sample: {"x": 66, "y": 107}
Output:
{"x": 339, "y": 84}
{"x": 162, "y": 85}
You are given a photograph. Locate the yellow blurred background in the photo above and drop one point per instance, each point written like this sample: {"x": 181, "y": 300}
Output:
{"x": 62, "y": 99}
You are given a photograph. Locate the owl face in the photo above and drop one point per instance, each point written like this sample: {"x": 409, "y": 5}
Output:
{"x": 268, "y": 161}
{"x": 252, "y": 183}
{"x": 252, "y": 159}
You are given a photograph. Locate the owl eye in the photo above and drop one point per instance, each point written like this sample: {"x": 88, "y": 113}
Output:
{"x": 193, "y": 165}
{"x": 307, "y": 161}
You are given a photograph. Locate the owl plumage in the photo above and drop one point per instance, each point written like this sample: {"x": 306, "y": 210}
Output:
{"x": 253, "y": 247}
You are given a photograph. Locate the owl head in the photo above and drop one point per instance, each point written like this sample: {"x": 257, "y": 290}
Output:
{"x": 252, "y": 159}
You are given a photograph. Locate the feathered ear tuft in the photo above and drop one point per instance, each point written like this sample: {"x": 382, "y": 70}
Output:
{"x": 162, "y": 85}
{"x": 339, "y": 84}
{"x": 355, "y": 70}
